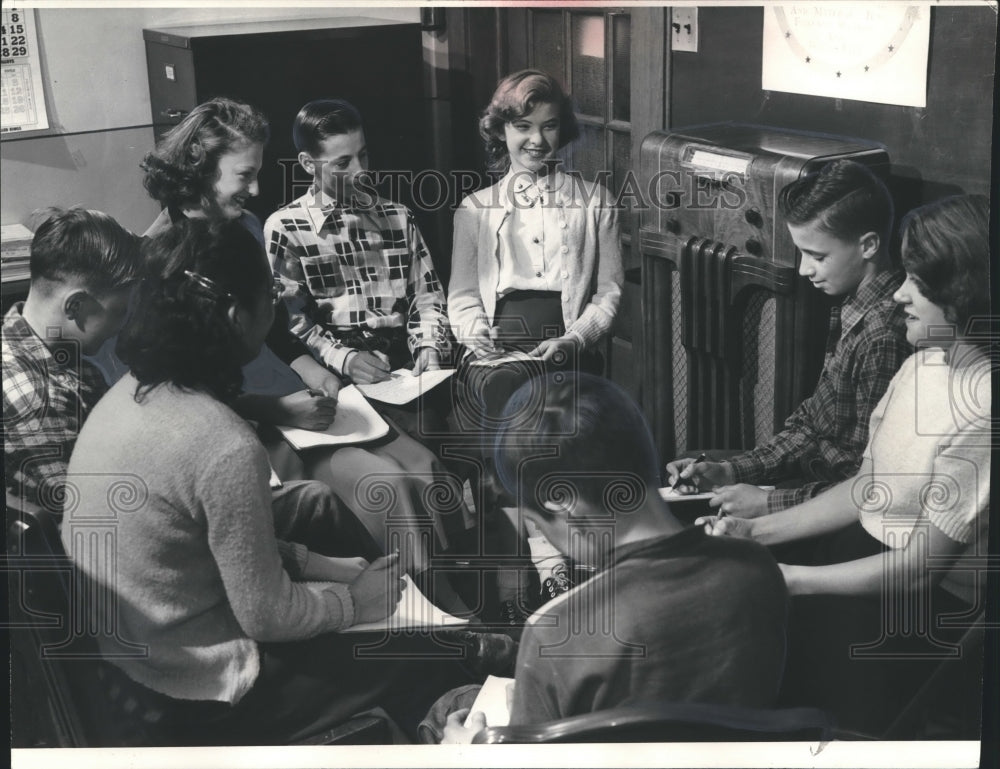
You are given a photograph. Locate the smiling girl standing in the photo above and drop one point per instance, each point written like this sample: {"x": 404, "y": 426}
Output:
{"x": 536, "y": 263}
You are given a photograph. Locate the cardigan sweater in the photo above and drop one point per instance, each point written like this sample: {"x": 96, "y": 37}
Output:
{"x": 591, "y": 271}
{"x": 169, "y": 523}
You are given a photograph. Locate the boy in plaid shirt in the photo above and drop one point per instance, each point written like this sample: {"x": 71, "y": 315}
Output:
{"x": 83, "y": 266}
{"x": 839, "y": 220}
{"x": 368, "y": 299}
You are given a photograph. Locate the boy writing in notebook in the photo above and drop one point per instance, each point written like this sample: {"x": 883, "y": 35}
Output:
{"x": 839, "y": 219}
{"x": 368, "y": 299}
{"x": 667, "y": 616}
{"x": 83, "y": 267}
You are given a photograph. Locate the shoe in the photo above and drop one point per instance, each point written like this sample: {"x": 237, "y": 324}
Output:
{"x": 488, "y": 654}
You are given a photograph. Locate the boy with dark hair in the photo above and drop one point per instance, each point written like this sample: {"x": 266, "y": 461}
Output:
{"x": 840, "y": 220}
{"x": 83, "y": 266}
{"x": 370, "y": 299}
{"x": 667, "y": 616}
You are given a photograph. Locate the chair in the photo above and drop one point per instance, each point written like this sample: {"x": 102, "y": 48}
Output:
{"x": 671, "y": 722}
{"x": 74, "y": 698}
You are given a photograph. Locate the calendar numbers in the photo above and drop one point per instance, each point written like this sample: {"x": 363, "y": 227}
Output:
{"x": 23, "y": 90}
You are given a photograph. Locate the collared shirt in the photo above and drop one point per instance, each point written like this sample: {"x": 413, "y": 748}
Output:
{"x": 48, "y": 391}
{"x": 531, "y": 258}
{"x": 825, "y": 436}
{"x": 591, "y": 266}
{"x": 355, "y": 269}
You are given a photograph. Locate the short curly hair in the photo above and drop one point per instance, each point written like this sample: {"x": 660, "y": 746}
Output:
{"x": 195, "y": 271}
{"x": 182, "y": 170}
{"x": 516, "y": 96}
{"x": 946, "y": 251}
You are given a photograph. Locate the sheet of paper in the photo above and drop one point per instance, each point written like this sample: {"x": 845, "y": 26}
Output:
{"x": 492, "y": 702}
{"x": 356, "y": 422}
{"x": 414, "y": 611}
{"x": 402, "y": 387}
{"x": 671, "y": 495}
{"x": 504, "y": 358}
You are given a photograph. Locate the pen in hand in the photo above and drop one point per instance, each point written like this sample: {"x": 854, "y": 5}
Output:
{"x": 701, "y": 458}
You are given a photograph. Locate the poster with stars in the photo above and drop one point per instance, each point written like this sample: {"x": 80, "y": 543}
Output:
{"x": 874, "y": 52}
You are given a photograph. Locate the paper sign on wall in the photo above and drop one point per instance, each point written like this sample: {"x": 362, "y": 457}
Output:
{"x": 23, "y": 101}
{"x": 863, "y": 51}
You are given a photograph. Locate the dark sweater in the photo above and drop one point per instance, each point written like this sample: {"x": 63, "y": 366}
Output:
{"x": 684, "y": 618}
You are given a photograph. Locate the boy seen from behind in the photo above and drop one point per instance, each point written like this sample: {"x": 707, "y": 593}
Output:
{"x": 667, "y": 616}
{"x": 839, "y": 220}
{"x": 83, "y": 267}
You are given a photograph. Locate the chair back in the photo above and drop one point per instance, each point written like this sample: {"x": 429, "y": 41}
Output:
{"x": 672, "y": 722}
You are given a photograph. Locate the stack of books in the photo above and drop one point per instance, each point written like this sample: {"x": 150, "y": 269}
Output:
{"x": 15, "y": 252}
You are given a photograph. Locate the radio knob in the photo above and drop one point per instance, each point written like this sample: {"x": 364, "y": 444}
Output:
{"x": 754, "y": 247}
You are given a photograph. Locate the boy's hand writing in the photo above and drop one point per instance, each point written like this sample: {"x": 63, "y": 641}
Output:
{"x": 377, "y": 590}
{"x": 741, "y": 499}
{"x": 364, "y": 367}
{"x": 698, "y": 475}
{"x": 455, "y": 731}
{"x": 307, "y": 409}
{"x": 724, "y": 526}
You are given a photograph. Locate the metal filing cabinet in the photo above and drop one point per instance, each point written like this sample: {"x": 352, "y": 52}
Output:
{"x": 280, "y": 65}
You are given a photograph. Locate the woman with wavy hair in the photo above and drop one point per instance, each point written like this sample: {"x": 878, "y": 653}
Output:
{"x": 892, "y": 539}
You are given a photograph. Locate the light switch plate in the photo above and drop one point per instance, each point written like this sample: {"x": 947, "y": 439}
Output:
{"x": 684, "y": 29}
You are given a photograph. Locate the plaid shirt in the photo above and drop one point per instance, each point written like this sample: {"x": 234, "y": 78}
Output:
{"x": 825, "y": 436}
{"x": 355, "y": 269}
{"x": 48, "y": 390}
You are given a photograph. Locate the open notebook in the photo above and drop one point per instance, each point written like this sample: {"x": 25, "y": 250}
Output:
{"x": 414, "y": 612}
{"x": 356, "y": 422}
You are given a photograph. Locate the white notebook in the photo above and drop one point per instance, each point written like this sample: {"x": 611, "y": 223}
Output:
{"x": 492, "y": 702}
{"x": 413, "y": 612}
{"x": 402, "y": 387}
{"x": 356, "y": 422}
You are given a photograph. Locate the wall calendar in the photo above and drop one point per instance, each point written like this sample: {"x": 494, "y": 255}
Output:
{"x": 23, "y": 102}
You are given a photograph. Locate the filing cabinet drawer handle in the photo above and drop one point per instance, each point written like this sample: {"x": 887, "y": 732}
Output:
{"x": 173, "y": 114}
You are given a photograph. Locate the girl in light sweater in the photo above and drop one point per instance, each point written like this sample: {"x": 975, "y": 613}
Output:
{"x": 230, "y": 629}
